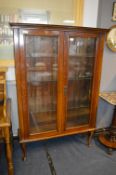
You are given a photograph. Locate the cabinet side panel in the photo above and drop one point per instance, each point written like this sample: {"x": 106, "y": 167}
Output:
{"x": 96, "y": 80}
{"x": 18, "y": 82}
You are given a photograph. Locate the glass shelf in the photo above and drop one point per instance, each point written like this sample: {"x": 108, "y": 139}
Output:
{"x": 35, "y": 83}
{"x": 80, "y": 78}
{"x": 42, "y": 121}
{"x": 78, "y": 116}
{"x": 38, "y": 56}
{"x": 37, "y": 69}
{"x": 80, "y": 56}
{"x": 79, "y": 107}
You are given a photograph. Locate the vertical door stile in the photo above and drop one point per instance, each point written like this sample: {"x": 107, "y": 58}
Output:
{"x": 61, "y": 103}
{"x": 18, "y": 71}
{"x": 100, "y": 39}
{"x": 65, "y": 64}
{"x": 23, "y": 82}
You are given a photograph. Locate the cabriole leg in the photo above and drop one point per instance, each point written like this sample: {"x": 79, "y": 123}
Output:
{"x": 90, "y": 135}
{"x": 23, "y": 147}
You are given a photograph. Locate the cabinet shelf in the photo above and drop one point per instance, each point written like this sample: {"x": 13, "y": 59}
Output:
{"x": 42, "y": 56}
{"x": 55, "y": 81}
{"x": 79, "y": 107}
{"x": 78, "y": 116}
{"x": 81, "y": 78}
{"x": 36, "y": 69}
{"x": 38, "y": 82}
{"x": 42, "y": 122}
{"x": 47, "y": 112}
{"x": 80, "y": 55}
{"x": 81, "y": 111}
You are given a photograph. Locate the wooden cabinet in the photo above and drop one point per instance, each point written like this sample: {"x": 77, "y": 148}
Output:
{"x": 58, "y": 76}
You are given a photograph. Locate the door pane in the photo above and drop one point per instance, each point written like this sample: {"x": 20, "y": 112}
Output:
{"x": 42, "y": 67}
{"x": 80, "y": 71}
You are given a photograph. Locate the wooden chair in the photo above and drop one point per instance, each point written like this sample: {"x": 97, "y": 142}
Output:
{"x": 5, "y": 122}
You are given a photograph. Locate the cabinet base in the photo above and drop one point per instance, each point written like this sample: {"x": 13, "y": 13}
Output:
{"x": 23, "y": 142}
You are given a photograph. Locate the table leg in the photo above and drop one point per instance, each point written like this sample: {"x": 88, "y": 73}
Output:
{"x": 8, "y": 151}
{"x": 109, "y": 139}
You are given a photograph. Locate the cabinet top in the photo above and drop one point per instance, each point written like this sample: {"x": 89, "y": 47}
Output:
{"x": 59, "y": 27}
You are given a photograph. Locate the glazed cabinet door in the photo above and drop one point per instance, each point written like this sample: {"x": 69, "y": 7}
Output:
{"x": 41, "y": 60}
{"x": 79, "y": 61}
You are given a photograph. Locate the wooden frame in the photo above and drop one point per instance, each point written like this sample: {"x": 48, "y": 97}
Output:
{"x": 6, "y": 63}
{"x": 114, "y": 12}
{"x": 78, "y": 12}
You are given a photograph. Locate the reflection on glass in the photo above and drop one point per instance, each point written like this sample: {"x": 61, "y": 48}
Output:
{"x": 41, "y": 60}
{"x": 80, "y": 70}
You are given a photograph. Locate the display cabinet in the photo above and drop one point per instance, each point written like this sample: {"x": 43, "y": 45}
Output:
{"x": 58, "y": 75}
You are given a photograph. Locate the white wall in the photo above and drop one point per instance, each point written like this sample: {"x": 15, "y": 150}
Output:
{"x": 98, "y": 13}
{"x": 108, "y": 78}
{"x": 90, "y": 13}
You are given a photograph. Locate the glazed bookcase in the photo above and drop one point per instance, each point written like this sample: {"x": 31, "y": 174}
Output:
{"x": 58, "y": 75}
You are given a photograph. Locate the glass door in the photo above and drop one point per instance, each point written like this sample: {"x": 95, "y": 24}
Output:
{"x": 41, "y": 70}
{"x": 81, "y": 53}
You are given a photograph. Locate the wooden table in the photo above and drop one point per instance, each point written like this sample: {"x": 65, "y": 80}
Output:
{"x": 109, "y": 138}
{"x": 5, "y": 124}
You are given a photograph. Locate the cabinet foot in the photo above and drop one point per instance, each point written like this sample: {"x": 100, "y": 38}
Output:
{"x": 89, "y": 138}
{"x": 23, "y": 147}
